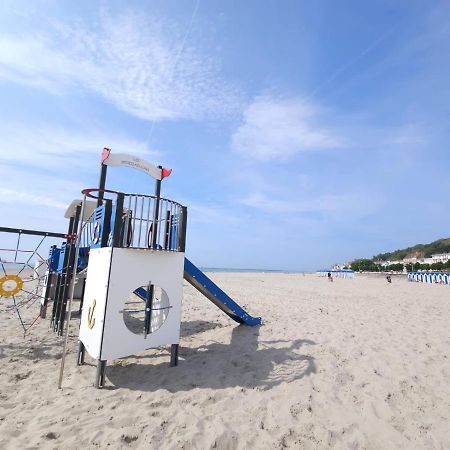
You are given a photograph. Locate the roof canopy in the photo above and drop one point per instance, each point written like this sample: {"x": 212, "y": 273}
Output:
{"x": 89, "y": 208}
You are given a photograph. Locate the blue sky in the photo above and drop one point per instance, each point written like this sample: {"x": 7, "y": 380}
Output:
{"x": 299, "y": 133}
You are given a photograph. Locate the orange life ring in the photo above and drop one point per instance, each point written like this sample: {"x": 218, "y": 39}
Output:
{"x": 10, "y": 285}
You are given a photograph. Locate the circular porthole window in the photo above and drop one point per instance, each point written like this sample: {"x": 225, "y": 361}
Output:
{"x": 146, "y": 309}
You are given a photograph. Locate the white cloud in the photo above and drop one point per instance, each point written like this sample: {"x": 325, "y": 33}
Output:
{"x": 129, "y": 60}
{"x": 35, "y": 199}
{"x": 206, "y": 214}
{"x": 278, "y": 128}
{"x": 18, "y": 197}
{"x": 55, "y": 147}
{"x": 22, "y": 185}
{"x": 43, "y": 168}
{"x": 336, "y": 206}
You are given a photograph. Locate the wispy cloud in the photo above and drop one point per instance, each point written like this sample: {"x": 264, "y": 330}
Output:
{"x": 278, "y": 128}
{"x": 128, "y": 60}
{"x": 43, "y": 168}
{"x": 52, "y": 147}
{"x": 18, "y": 197}
{"x": 347, "y": 206}
{"x": 33, "y": 199}
{"x": 207, "y": 214}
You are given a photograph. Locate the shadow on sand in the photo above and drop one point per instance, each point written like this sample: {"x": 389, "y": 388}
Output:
{"x": 245, "y": 362}
{"x": 197, "y": 326}
{"x": 32, "y": 352}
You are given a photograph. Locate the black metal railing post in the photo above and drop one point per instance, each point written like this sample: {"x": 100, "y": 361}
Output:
{"x": 117, "y": 241}
{"x": 148, "y": 309}
{"x": 106, "y": 229}
{"x": 167, "y": 231}
{"x": 156, "y": 213}
{"x": 101, "y": 184}
{"x": 182, "y": 231}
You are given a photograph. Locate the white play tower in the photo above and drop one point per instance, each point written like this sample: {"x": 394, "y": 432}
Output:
{"x": 135, "y": 245}
{"x": 134, "y": 283}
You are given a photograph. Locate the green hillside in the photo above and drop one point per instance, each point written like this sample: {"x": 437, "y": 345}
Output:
{"x": 423, "y": 250}
{"x": 419, "y": 250}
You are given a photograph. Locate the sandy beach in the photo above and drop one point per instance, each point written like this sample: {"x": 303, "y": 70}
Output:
{"x": 354, "y": 364}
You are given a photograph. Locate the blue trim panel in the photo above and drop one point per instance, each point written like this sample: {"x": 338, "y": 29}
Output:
{"x": 141, "y": 293}
{"x": 53, "y": 258}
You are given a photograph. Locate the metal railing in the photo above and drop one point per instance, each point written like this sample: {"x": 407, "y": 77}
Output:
{"x": 151, "y": 223}
{"x": 141, "y": 221}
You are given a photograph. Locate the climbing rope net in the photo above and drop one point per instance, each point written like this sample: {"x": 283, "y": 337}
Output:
{"x": 23, "y": 272}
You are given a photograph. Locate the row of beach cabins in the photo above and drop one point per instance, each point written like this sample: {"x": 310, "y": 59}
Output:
{"x": 430, "y": 277}
{"x": 419, "y": 277}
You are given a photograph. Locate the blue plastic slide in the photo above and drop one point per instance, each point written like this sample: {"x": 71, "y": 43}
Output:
{"x": 212, "y": 292}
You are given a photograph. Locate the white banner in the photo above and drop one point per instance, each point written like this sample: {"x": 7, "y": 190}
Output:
{"x": 122, "y": 159}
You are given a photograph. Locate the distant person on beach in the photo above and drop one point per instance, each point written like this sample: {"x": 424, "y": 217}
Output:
{"x": 330, "y": 278}
{"x": 388, "y": 278}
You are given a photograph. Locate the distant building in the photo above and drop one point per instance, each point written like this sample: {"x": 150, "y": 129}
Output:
{"x": 388, "y": 263}
{"x": 341, "y": 266}
{"x": 439, "y": 257}
{"x": 410, "y": 259}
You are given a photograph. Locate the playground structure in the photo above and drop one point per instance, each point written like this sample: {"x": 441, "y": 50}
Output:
{"x": 430, "y": 277}
{"x": 128, "y": 258}
{"x": 123, "y": 257}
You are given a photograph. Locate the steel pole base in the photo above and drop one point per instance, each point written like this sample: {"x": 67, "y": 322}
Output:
{"x": 81, "y": 354}
{"x": 43, "y": 310}
{"x": 100, "y": 375}
{"x": 174, "y": 355}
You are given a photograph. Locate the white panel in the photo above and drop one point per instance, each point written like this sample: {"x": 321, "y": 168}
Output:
{"x": 96, "y": 289}
{"x": 130, "y": 269}
{"x": 78, "y": 289}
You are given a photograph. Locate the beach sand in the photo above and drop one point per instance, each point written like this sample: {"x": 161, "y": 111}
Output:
{"x": 354, "y": 364}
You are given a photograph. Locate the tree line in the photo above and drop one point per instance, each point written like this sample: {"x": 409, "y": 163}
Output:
{"x": 368, "y": 265}
{"x": 425, "y": 250}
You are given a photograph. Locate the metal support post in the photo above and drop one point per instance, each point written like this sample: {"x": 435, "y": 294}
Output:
{"x": 167, "y": 231}
{"x": 148, "y": 309}
{"x": 81, "y": 354}
{"x": 100, "y": 374}
{"x": 156, "y": 213}
{"x": 182, "y": 233}
{"x": 174, "y": 355}
{"x": 101, "y": 184}
{"x": 117, "y": 242}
